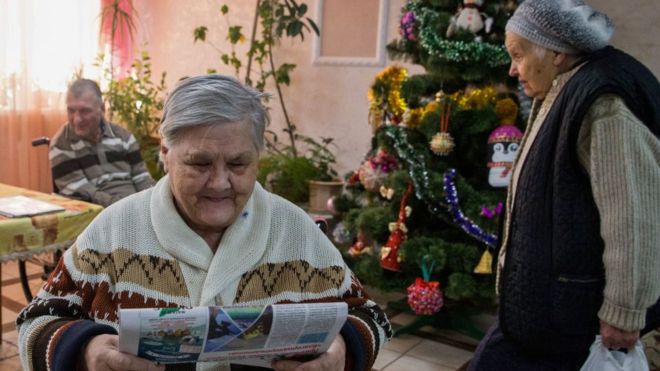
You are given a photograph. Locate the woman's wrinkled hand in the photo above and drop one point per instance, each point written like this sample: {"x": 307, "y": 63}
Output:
{"x": 615, "y": 338}
{"x": 102, "y": 353}
{"x": 332, "y": 360}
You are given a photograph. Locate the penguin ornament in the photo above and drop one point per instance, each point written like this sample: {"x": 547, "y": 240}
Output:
{"x": 503, "y": 143}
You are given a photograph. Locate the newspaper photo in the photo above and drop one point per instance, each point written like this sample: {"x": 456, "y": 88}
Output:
{"x": 253, "y": 335}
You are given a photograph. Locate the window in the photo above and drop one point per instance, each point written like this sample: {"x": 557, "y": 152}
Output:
{"x": 43, "y": 43}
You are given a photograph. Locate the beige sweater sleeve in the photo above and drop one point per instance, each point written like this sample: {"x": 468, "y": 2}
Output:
{"x": 622, "y": 158}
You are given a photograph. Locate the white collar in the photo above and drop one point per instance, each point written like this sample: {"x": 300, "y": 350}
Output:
{"x": 243, "y": 244}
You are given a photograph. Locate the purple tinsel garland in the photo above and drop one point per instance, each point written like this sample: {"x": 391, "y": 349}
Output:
{"x": 454, "y": 209}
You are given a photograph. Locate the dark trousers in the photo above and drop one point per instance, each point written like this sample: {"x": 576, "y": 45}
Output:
{"x": 497, "y": 353}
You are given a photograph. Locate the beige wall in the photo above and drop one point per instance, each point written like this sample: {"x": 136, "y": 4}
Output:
{"x": 637, "y": 28}
{"x": 323, "y": 100}
{"x": 331, "y": 100}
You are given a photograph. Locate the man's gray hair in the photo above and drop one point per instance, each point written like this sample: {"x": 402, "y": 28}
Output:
{"x": 81, "y": 86}
{"x": 213, "y": 100}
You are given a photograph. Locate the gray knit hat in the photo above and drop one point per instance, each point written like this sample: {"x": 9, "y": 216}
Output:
{"x": 567, "y": 26}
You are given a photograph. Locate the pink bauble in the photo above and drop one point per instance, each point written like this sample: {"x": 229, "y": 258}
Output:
{"x": 424, "y": 297}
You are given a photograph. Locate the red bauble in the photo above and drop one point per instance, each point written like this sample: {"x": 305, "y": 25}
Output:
{"x": 425, "y": 297}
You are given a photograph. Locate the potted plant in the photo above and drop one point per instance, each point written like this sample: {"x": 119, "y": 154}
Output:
{"x": 326, "y": 184}
{"x": 321, "y": 192}
{"x": 308, "y": 178}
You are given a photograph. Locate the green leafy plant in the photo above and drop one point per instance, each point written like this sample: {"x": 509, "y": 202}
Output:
{"x": 288, "y": 175}
{"x": 287, "y": 166}
{"x": 136, "y": 102}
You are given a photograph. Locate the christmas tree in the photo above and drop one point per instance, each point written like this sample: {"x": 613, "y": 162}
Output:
{"x": 421, "y": 212}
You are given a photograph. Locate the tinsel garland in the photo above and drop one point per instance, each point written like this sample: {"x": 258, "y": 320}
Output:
{"x": 464, "y": 222}
{"x": 391, "y": 78}
{"x": 417, "y": 170}
{"x": 455, "y": 51}
{"x": 475, "y": 99}
{"x": 462, "y": 52}
{"x": 412, "y": 118}
{"x": 419, "y": 175}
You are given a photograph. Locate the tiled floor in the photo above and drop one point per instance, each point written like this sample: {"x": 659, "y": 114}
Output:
{"x": 433, "y": 349}
{"x": 409, "y": 352}
{"x": 404, "y": 353}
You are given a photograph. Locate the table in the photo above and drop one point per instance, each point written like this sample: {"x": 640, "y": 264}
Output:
{"x": 22, "y": 238}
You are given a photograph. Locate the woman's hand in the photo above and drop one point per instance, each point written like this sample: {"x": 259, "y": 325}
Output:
{"x": 332, "y": 360}
{"x": 614, "y": 338}
{"x": 102, "y": 353}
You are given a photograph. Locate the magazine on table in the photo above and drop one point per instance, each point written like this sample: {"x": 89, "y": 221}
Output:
{"x": 21, "y": 206}
{"x": 249, "y": 335}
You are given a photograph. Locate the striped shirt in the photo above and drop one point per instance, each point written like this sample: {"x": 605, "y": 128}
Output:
{"x": 102, "y": 173}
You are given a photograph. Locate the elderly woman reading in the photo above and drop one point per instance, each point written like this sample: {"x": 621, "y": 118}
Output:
{"x": 206, "y": 234}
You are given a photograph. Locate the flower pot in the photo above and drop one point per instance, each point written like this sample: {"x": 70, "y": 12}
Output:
{"x": 320, "y": 192}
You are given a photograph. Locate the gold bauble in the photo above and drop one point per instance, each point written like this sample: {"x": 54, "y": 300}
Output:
{"x": 442, "y": 144}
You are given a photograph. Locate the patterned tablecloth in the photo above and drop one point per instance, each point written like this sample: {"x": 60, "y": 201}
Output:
{"x": 21, "y": 237}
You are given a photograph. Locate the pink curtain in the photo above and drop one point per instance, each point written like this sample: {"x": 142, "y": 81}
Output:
{"x": 120, "y": 47}
{"x": 23, "y": 165}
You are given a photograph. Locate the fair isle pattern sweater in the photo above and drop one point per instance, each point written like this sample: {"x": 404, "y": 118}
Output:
{"x": 139, "y": 253}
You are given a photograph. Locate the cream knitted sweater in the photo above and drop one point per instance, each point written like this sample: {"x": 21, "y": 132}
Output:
{"x": 622, "y": 158}
{"x": 140, "y": 253}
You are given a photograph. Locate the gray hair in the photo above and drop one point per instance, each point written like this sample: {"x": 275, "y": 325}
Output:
{"x": 80, "y": 86}
{"x": 213, "y": 100}
{"x": 566, "y": 26}
{"x": 539, "y": 50}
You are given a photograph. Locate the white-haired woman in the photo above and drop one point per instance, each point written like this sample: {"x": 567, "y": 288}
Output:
{"x": 579, "y": 254}
{"x": 206, "y": 234}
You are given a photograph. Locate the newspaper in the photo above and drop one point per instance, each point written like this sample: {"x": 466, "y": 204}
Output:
{"x": 21, "y": 206}
{"x": 253, "y": 335}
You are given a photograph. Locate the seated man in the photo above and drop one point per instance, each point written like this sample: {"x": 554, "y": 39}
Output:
{"x": 91, "y": 158}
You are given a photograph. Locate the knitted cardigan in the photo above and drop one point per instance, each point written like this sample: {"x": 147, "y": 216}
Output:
{"x": 139, "y": 253}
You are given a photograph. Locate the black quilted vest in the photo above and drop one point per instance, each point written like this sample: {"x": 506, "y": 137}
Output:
{"x": 553, "y": 279}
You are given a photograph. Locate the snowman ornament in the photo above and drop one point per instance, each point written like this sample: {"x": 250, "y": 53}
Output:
{"x": 470, "y": 18}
